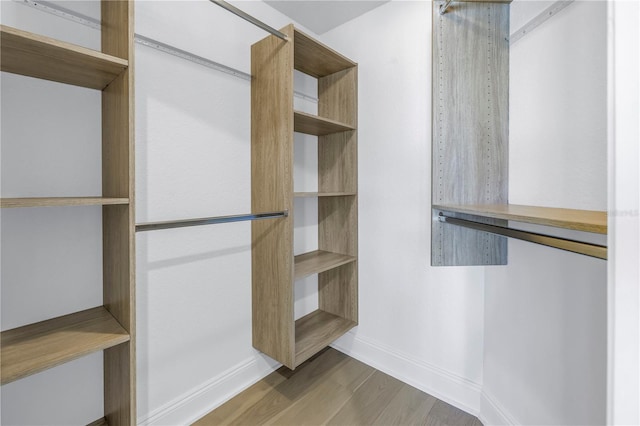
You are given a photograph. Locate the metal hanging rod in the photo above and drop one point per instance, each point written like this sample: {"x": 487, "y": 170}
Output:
{"x": 59, "y": 11}
{"x": 579, "y": 247}
{"x": 249, "y": 18}
{"x": 154, "y": 226}
{"x": 539, "y": 19}
{"x": 444, "y": 6}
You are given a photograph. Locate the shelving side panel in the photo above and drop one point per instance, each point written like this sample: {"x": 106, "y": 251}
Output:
{"x": 272, "y": 190}
{"x": 470, "y": 126}
{"x": 119, "y": 221}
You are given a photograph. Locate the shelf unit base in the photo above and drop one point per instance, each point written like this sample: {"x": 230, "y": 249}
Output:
{"x": 316, "y": 331}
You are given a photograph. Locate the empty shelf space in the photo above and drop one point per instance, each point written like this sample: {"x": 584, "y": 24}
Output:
{"x": 578, "y": 220}
{"x": 317, "y": 126}
{"x": 314, "y": 58}
{"x": 318, "y": 261}
{"x": 317, "y": 330}
{"x": 322, "y": 194}
{"x": 42, "y": 57}
{"x": 60, "y": 201}
{"x": 36, "y": 347}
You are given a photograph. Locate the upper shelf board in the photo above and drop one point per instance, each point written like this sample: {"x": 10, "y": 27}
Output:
{"x": 315, "y": 59}
{"x": 317, "y": 126}
{"x": 578, "y": 220}
{"x": 42, "y": 57}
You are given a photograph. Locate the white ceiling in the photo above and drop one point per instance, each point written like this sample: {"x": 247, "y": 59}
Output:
{"x": 322, "y": 16}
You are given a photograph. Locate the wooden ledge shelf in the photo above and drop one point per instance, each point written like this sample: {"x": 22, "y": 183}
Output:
{"x": 318, "y": 261}
{"x": 42, "y": 57}
{"x": 317, "y": 126}
{"x": 322, "y": 194}
{"x": 314, "y": 58}
{"x": 60, "y": 201}
{"x": 578, "y": 220}
{"x": 317, "y": 330}
{"x": 36, "y": 347}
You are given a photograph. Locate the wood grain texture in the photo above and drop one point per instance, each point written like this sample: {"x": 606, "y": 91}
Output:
{"x": 332, "y": 388}
{"x": 36, "y": 347}
{"x": 470, "y": 126}
{"x": 313, "y": 125}
{"x": 60, "y": 201}
{"x": 318, "y": 261}
{"x": 118, "y": 165}
{"x": 579, "y": 220}
{"x": 322, "y": 194}
{"x": 99, "y": 422}
{"x": 42, "y": 57}
{"x": 316, "y": 59}
{"x": 316, "y": 331}
{"x": 338, "y": 291}
{"x": 272, "y": 190}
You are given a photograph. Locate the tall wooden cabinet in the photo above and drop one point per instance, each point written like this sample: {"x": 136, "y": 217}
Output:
{"x": 275, "y": 268}
{"x": 111, "y": 327}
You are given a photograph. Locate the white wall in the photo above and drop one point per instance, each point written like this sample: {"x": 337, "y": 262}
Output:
{"x": 421, "y": 324}
{"x": 545, "y": 313}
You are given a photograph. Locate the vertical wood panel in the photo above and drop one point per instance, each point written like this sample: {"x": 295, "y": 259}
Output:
{"x": 470, "y": 126}
{"x": 272, "y": 190}
{"x": 119, "y": 221}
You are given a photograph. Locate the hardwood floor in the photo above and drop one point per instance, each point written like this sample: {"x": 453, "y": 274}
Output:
{"x": 334, "y": 389}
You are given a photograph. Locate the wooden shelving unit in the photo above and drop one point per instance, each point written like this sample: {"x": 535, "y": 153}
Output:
{"x": 275, "y": 268}
{"x": 36, "y": 347}
{"x": 578, "y": 220}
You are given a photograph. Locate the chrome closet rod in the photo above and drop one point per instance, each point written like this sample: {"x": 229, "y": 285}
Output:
{"x": 588, "y": 249}
{"x": 249, "y": 18}
{"x": 154, "y": 226}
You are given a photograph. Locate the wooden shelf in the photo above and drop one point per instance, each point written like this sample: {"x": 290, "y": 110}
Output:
{"x": 317, "y": 126}
{"x": 322, "y": 194}
{"x": 43, "y": 57}
{"x": 314, "y": 58}
{"x": 317, "y": 330}
{"x": 60, "y": 201}
{"x": 33, "y": 348}
{"x": 318, "y": 261}
{"x": 579, "y": 220}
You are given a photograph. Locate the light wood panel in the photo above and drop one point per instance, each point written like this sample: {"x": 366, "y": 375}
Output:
{"x": 60, "y": 201}
{"x": 318, "y": 126}
{"x": 118, "y": 165}
{"x": 316, "y": 59}
{"x": 579, "y": 220}
{"x": 318, "y": 261}
{"x": 470, "y": 126}
{"x": 272, "y": 190}
{"x": 322, "y": 194}
{"x": 42, "y": 57}
{"x": 99, "y": 422}
{"x": 36, "y": 347}
{"x": 316, "y": 331}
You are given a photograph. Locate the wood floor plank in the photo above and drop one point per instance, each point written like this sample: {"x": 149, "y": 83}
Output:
{"x": 410, "y": 406}
{"x": 369, "y": 401}
{"x": 443, "y": 414}
{"x": 291, "y": 390}
{"x": 327, "y": 397}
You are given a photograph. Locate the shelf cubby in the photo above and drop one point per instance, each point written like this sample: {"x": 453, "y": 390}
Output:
{"x": 317, "y": 126}
{"x": 42, "y": 57}
{"x": 318, "y": 261}
{"x": 316, "y": 331}
{"x": 60, "y": 201}
{"x": 36, "y": 347}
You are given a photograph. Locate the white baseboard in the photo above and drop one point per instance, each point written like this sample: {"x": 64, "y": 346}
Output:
{"x": 194, "y": 404}
{"x": 492, "y": 413}
{"x": 442, "y": 384}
